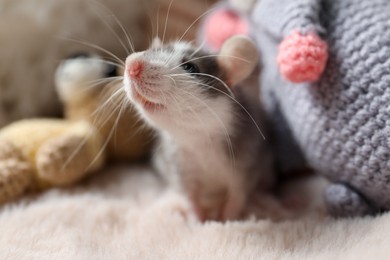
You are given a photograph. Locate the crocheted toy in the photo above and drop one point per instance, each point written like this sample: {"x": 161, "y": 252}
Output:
{"x": 222, "y": 23}
{"x": 325, "y": 84}
{"x": 326, "y": 77}
{"x": 41, "y": 153}
{"x": 302, "y": 54}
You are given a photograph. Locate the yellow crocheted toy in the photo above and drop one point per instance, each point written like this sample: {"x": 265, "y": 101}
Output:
{"x": 98, "y": 128}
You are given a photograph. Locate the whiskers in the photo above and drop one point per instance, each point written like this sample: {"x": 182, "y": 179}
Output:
{"x": 221, "y": 123}
{"x": 230, "y": 95}
{"x": 94, "y": 46}
{"x": 166, "y": 20}
{"x": 114, "y": 102}
{"x": 123, "y": 29}
{"x": 104, "y": 10}
{"x": 208, "y": 56}
{"x": 112, "y": 95}
{"x": 90, "y": 84}
{"x": 103, "y": 81}
{"x": 98, "y": 120}
{"x": 186, "y": 31}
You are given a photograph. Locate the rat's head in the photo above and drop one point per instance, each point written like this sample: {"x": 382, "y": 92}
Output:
{"x": 179, "y": 87}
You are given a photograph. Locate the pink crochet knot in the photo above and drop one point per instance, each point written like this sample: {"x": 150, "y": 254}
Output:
{"x": 302, "y": 58}
{"x": 222, "y": 25}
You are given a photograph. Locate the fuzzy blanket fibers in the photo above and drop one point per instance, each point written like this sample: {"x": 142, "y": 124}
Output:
{"x": 127, "y": 213}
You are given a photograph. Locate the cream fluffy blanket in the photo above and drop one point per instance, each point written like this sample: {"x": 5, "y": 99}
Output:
{"x": 126, "y": 213}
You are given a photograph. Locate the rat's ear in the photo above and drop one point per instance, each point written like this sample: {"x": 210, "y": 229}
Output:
{"x": 156, "y": 43}
{"x": 237, "y": 58}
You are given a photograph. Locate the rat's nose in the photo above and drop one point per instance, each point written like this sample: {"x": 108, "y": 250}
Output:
{"x": 134, "y": 69}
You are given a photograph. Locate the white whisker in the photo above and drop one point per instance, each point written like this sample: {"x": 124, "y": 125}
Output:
{"x": 125, "y": 32}
{"x": 166, "y": 20}
{"x": 95, "y": 83}
{"x": 198, "y": 49}
{"x": 109, "y": 100}
{"x": 209, "y": 56}
{"x": 195, "y": 21}
{"x": 110, "y": 135}
{"x": 238, "y": 103}
{"x": 208, "y": 75}
{"x": 224, "y": 128}
{"x": 95, "y": 47}
{"x": 108, "y": 62}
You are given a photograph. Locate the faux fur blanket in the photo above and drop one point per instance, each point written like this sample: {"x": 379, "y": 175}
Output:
{"x": 127, "y": 213}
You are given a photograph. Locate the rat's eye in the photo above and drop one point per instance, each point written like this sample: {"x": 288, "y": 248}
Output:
{"x": 190, "y": 67}
{"x": 110, "y": 71}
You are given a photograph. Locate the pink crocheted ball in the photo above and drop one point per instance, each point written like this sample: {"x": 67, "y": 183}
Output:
{"x": 223, "y": 24}
{"x": 302, "y": 58}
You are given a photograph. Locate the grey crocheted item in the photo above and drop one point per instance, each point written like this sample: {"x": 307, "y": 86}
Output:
{"x": 341, "y": 122}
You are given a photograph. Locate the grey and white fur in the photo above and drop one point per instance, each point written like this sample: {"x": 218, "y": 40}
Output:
{"x": 211, "y": 147}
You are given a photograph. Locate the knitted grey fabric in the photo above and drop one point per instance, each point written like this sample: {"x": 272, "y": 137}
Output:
{"x": 341, "y": 122}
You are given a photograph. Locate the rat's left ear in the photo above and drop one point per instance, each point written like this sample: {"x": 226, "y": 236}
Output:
{"x": 237, "y": 58}
{"x": 156, "y": 43}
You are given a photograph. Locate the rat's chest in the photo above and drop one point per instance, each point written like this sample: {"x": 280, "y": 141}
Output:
{"x": 198, "y": 159}
{"x": 203, "y": 160}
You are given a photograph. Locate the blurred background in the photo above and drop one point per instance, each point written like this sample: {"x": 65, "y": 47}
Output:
{"x": 35, "y": 35}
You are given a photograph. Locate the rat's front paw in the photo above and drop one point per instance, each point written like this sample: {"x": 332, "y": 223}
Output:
{"x": 302, "y": 58}
{"x": 208, "y": 207}
{"x": 217, "y": 204}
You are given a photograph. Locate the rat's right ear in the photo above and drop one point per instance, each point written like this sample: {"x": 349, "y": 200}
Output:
{"x": 237, "y": 58}
{"x": 156, "y": 43}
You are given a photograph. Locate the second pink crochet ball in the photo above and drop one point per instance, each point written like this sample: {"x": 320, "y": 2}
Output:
{"x": 223, "y": 24}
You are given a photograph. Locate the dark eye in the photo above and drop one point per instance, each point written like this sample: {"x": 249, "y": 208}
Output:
{"x": 190, "y": 67}
{"x": 110, "y": 71}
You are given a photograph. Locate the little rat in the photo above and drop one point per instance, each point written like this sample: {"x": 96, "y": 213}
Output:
{"x": 211, "y": 146}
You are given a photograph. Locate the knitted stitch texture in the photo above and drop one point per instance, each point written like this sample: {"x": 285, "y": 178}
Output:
{"x": 302, "y": 58}
{"x": 342, "y": 121}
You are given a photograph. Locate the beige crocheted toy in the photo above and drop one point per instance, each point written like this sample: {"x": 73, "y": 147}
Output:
{"x": 41, "y": 153}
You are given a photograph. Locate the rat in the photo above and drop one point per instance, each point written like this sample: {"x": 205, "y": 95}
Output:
{"x": 210, "y": 144}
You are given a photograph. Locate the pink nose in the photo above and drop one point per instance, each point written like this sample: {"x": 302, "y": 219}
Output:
{"x": 134, "y": 69}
